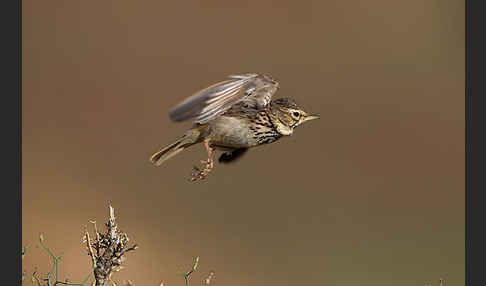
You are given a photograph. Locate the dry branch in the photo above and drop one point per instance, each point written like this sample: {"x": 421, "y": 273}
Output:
{"x": 107, "y": 250}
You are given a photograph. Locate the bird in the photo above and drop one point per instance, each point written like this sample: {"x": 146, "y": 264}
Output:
{"x": 233, "y": 116}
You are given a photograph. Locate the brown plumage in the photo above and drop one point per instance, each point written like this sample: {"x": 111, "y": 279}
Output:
{"x": 232, "y": 116}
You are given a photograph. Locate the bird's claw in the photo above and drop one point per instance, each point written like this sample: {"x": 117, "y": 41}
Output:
{"x": 199, "y": 174}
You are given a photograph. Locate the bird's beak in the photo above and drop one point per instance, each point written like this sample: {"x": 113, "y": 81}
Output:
{"x": 311, "y": 117}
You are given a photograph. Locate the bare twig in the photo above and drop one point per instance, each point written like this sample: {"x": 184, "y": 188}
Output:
{"x": 98, "y": 239}
{"x": 90, "y": 249}
{"x": 194, "y": 266}
{"x": 109, "y": 250}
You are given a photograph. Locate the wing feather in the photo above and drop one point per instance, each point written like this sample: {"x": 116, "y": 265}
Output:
{"x": 214, "y": 100}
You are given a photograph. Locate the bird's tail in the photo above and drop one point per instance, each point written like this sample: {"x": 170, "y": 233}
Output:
{"x": 189, "y": 139}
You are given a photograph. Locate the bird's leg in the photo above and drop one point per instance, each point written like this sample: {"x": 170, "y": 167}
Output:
{"x": 199, "y": 174}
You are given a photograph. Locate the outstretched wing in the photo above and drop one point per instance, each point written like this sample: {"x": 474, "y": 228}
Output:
{"x": 255, "y": 89}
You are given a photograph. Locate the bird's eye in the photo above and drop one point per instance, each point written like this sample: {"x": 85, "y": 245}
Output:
{"x": 296, "y": 114}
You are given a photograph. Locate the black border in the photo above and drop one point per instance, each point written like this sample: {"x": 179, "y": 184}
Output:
{"x": 475, "y": 91}
{"x": 11, "y": 120}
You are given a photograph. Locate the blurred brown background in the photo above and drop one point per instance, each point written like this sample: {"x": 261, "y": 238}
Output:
{"x": 371, "y": 194}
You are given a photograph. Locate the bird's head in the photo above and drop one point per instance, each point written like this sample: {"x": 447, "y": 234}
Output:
{"x": 288, "y": 115}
